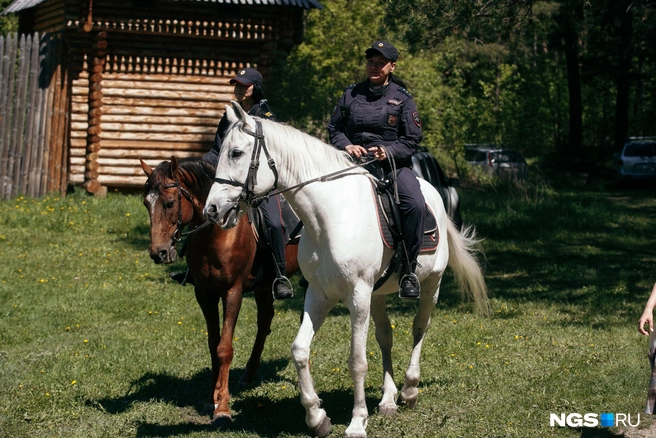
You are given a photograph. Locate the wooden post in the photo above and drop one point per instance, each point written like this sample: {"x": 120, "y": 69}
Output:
{"x": 96, "y": 68}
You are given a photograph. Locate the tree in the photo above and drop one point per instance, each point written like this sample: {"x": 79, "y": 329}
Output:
{"x": 8, "y": 23}
{"x": 305, "y": 85}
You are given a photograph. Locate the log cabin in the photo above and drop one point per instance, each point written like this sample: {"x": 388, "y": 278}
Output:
{"x": 148, "y": 78}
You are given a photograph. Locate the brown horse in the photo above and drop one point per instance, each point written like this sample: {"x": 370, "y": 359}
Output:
{"x": 223, "y": 264}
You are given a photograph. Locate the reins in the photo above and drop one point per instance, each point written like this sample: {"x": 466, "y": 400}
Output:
{"x": 313, "y": 180}
{"x": 248, "y": 195}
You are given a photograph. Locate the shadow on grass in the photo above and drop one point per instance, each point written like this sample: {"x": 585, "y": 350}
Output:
{"x": 270, "y": 420}
{"x": 593, "y": 432}
{"x": 191, "y": 392}
{"x": 255, "y": 414}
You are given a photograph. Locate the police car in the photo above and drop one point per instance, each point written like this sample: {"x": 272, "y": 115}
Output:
{"x": 426, "y": 166}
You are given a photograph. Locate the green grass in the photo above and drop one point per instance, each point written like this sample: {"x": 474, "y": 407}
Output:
{"x": 96, "y": 341}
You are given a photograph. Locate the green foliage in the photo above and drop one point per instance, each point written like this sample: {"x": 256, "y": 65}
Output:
{"x": 96, "y": 341}
{"x": 8, "y": 23}
{"x": 425, "y": 24}
{"x": 305, "y": 85}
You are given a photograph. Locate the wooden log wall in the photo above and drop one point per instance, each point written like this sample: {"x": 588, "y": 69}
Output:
{"x": 32, "y": 116}
{"x": 151, "y": 83}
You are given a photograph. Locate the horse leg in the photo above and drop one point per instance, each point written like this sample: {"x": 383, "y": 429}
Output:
{"x": 359, "y": 306}
{"x": 387, "y": 405}
{"x": 316, "y": 309}
{"x": 265, "y": 312}
{"x": 209, "y": 307}
{"x": 409, "y": 392}
{"x": 231, "y": 307}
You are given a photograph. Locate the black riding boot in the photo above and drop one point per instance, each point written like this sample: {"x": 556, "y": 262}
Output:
{"x": 409, "y": 285}
{"x": 183, "y": 278}
{"x": 282, "y": 287}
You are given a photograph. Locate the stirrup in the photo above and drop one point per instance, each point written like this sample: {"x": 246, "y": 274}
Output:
{"x": 284, "y": 280}
{"x": 413, "y": 276}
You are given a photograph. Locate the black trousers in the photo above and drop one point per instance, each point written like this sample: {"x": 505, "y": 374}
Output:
{"x": 272, "y": 215}
{"x": 413, "y": 211}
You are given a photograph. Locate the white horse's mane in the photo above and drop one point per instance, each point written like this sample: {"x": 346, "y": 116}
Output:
{"x": 310, "y": 154}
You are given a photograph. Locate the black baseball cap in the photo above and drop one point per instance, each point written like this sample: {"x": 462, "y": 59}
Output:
{"x": 247, "y": 76}
{"x": 387, "y": 50}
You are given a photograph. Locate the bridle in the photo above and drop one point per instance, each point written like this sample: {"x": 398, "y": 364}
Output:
{"x": 248, "y": 187}
{"x": 178, "y": 235}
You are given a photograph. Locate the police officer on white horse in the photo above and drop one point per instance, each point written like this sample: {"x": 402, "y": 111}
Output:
{"x": 378, "y": 117}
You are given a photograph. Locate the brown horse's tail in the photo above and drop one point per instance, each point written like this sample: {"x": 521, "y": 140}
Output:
{"x": 463, "y": 247}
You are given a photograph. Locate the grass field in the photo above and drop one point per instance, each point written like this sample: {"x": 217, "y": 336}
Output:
{"x": 96, "y": 341}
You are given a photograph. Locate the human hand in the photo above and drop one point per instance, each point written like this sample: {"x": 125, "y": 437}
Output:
{"x": 647, "y": 318}
{"x": 379, "y": 153}
{"x": 355, "y": 150}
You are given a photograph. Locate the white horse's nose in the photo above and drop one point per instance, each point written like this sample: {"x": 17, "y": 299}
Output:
{"x": 210, "y": 212}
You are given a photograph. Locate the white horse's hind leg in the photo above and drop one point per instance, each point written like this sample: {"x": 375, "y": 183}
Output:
{"x": 387, "y": 405}
{"x": 316, "y": 310}
{"x": 430, "y": 290}
{"x": 359, "y": 308}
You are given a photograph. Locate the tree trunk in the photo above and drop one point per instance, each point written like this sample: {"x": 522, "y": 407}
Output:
{"x": 572, "y": 16}
{"x": 623, "y": 72}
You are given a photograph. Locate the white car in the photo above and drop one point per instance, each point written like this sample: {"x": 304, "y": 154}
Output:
{"x": 637, "y": 161}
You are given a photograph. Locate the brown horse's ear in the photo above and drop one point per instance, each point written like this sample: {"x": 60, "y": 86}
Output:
{"x": 174, "y": 166}
{"x": 146, "y": 168}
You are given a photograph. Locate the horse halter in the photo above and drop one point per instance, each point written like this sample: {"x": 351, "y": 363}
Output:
{"x": 248, "y": 187}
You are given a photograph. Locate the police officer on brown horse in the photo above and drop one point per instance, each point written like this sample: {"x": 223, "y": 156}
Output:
{"x": 248, "y": 92}
{"x": 377, "y": 117}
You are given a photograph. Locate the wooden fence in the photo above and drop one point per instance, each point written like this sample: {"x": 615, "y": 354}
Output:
{"x": 33, "y": 116}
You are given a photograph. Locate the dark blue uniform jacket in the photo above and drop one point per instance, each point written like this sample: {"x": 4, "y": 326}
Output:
{"x": 368, "y": 118}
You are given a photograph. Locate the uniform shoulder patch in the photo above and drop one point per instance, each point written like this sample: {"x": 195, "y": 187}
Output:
{"x": 416, "y": 119}
{"x": 396, "y": 102}
{"x": 406, "y": 92}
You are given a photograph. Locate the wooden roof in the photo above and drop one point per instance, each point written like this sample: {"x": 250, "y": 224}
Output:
{"x": 19, "y": 5}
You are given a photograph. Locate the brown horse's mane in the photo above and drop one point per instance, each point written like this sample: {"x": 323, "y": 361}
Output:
{"x": 196, "y": 174}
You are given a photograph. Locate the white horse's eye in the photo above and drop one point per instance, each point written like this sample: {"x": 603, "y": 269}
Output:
{"x": 236, "y": 153}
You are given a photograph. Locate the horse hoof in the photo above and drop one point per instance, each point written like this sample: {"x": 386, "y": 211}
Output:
{"x": 323, "y": 430}
{"x": 220, "y": 420}
{"x": 387, "y": 411}
{"x": 410, "y": 402}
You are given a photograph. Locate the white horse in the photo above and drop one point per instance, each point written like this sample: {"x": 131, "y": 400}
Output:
{"x": 341, "y": 253}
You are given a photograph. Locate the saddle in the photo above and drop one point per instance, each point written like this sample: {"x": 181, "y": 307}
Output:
{"x": 389, "y": 222}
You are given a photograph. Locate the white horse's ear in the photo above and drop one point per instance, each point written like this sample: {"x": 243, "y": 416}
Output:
{"x": 230, "y": 114}
{"x": 242, "y": 115}
{"x": 239, "y": 111}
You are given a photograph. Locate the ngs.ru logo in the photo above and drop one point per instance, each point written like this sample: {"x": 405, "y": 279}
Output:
{"x": 592, "y": 420}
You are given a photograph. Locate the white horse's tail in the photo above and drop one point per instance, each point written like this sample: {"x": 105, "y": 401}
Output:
{"x": 463, "y": 247}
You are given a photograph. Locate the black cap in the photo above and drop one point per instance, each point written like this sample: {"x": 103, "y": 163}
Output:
{"x": 387, "y": 50}
{"x": 247, "y": 76}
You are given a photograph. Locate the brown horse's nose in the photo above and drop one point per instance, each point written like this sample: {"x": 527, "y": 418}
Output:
{"x": 163, "y": 256}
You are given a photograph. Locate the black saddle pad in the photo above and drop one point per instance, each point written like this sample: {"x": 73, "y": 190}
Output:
{"x": 390, "y": 231}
